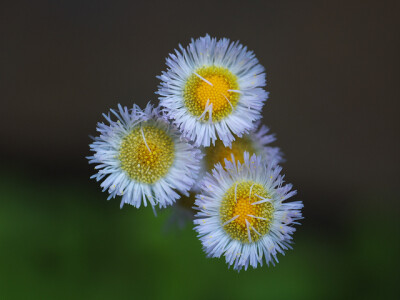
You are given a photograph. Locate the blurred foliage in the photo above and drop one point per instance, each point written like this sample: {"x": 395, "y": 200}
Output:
{"x": 64, "y": 240}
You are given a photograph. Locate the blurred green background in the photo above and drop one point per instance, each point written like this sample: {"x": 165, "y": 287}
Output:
{"x": 61, "y": 239}
{"x": 332, "y": 69}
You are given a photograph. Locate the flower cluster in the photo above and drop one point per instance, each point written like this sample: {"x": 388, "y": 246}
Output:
{"x": 204, "y": 151}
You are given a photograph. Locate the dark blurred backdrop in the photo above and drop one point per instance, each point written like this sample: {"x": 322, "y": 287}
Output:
{"x": 333, "y": 77}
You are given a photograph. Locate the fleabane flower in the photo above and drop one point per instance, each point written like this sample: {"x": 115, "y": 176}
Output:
{"x": 243, "y": 214}
{"x": 213, "y": 90}
{"x": 142, "y": 157}
{"x": 256, "y": 142}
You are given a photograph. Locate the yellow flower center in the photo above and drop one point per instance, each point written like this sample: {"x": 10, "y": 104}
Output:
{"x": 242, "y": 216}
{"x": 217, "y": 154}
{"x": 147, "y": 153}
{"x": 215, "y": 85}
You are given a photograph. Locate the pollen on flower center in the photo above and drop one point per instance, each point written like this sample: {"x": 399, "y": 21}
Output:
{"x": 147, "y": 153}
{"x": 215, "y": 85}
{"x": 218, "y": 153}
{"x": 246, "y": 213}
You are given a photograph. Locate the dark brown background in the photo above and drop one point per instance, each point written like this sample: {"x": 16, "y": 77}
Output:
{"x": 332, "y": 70}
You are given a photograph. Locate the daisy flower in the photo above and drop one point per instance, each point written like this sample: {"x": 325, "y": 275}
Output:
{"x": 141, "y": 157}
{"x": 257, "y": 142}
{"x": 213, "y": 90}
{"x": 243, "y": 214}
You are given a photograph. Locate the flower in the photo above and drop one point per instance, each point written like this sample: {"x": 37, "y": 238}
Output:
{"x": 257, "y": 142}
{"x": 242, "y": 213}
{"x": 142, "y": 157}
{"x": 213, "y": 88}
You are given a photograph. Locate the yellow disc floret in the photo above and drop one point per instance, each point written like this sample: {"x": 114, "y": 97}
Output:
{"x": 218, "y": 153}
{"x": 240, "y": 213}
{"x": 147, "y": 153}
{"x": 215, "y": 85}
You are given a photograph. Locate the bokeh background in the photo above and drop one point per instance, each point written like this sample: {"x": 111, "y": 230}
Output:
{"x": 333, "y": 78}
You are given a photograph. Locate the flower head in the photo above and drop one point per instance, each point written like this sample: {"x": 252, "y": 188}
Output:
{"x": 256, "y": 142}
{"x": 213, "y": 88}
{"x": 243, "y": 214}
{"x": 142, "y": 157}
